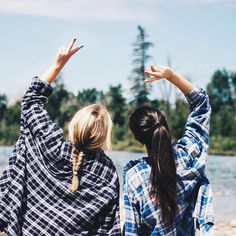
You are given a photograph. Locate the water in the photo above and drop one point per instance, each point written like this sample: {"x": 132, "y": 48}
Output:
{"x": 221, "y": 171}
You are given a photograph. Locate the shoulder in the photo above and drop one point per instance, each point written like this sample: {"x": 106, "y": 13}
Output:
{"x": 103, "y": 167}
{"x": 105, "y": 160}
{"x": 137, "y": 165}
{"x": 137, "y": 172}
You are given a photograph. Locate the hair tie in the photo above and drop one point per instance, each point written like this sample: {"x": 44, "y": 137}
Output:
{"x": 80, "y": 146}
{"x": 157, "y": 125}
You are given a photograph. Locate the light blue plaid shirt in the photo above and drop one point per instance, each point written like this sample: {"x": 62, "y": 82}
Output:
{"x": 194, "y": 194}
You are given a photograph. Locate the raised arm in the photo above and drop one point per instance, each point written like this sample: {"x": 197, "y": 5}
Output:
{"x": 191, "y": 150}
{"x": 35, "y": 118}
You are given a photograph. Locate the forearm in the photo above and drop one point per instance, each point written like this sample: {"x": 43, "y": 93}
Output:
{"x": 51, "y": 74}
{"x": 181, "y": 83}
{"x": 33, "y": 113}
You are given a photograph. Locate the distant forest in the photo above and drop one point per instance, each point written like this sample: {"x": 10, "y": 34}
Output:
{"x": 63, "y": 104}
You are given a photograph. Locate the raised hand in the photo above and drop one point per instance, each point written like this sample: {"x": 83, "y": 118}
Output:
{"x": 164, "y": 72}
{"x": 158, "y": 72}
{"x": 65, "y": 53}
{"x": 62, "y": 57}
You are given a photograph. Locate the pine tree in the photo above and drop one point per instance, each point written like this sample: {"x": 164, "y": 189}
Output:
{"x": 140, "y": 54}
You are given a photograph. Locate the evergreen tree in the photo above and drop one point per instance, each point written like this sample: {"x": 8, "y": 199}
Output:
{"x": 3, "y": 105}
{"x": 140, "y": 54}
{"x": 116, "y": 104}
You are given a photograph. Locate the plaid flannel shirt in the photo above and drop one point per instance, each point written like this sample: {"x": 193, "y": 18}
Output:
{"x": 34, "y": 188}
{"x": 194, "y": 195}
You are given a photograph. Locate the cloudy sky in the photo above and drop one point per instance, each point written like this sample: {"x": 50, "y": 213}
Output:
{"x": 198, "y": 35}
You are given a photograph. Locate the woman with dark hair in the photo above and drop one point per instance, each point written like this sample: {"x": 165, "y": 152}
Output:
{"x": 57, "y": 186}
{"x": 167, "y": 193}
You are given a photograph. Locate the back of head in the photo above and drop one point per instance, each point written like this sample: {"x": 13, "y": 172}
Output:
{"x": 89, "y": 130}
{"x": 150, "y": 128}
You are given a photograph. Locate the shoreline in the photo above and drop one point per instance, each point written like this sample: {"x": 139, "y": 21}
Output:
{"x": 140, "y": 149}
{"x": 211, "y": 152}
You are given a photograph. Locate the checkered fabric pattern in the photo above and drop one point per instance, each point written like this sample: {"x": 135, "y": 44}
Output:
{"x": 34, "y": 188}
{"x": 194, "y": 195}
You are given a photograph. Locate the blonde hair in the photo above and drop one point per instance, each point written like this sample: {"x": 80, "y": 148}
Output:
{"x": 89, "y": 129}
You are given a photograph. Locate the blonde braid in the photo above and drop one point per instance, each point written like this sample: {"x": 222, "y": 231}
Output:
{"x": 77, "y": 161}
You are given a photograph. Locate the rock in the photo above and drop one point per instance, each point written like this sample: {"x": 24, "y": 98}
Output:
{"x": 233, "y": 223}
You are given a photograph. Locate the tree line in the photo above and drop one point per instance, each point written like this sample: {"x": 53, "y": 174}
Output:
{"x": 63, "y": 104}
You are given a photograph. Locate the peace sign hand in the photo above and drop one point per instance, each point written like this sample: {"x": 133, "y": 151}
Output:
{"x": 65, "y": 53}
{"x": 62, "y": 57}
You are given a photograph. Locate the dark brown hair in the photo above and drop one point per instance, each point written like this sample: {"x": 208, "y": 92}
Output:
{"x": 150, "y": 128}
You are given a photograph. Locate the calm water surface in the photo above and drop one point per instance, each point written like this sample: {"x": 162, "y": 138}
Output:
{"x": 221, "y": 171}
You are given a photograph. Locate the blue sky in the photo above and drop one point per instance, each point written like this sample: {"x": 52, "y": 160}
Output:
{"x": 199, "y": 36}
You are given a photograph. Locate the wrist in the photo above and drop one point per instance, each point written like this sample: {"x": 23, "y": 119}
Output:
{"x": 171, "y": 75}
{"x": 56, "y": 67}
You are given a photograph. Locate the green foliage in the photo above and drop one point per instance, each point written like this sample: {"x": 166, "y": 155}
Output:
{"x": 116, "y": 104}
{"x": 89, "y": 96}
{"x": 62, "y": 105}
{"x": 222, "y": 90}
{"x": 3, "y": 105}
{"x": 222, "y": 145}
{"x": 178, "y": 118}
{"x": 10, "y": 123}
{"x": 222, "y": 95}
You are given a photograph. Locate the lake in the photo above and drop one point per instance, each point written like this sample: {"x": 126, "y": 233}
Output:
{"x": 221, "y": 171}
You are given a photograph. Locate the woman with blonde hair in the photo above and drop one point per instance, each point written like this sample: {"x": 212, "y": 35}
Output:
{"x": 57, "y": 186}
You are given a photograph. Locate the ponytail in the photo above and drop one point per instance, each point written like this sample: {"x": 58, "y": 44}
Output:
{"x": 163, "y": 173}
{"x": 150, "y": 128}
{"x": 77, "y": 161}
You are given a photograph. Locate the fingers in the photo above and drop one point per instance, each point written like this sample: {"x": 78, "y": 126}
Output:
{"x": 149, "y": 80}
{"x": 76, "y": 49}
{"x": 154, "y": 68}
{"x": 70, "y": 46}
{"x": 70, "y": 49}
{"x": 151, "y": 73}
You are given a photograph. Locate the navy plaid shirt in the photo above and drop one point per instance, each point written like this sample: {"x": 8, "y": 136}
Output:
{"x": 34, "y": 188}
{"x": 194, "y": 194}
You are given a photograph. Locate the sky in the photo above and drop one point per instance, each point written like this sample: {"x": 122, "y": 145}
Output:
{"x": 199, "y": 36}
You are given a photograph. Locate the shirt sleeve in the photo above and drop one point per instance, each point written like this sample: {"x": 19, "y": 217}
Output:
{"x": 12, "y": 188}
{"x": 35, "y": 120}
{"x": 132, "y": 225}
{"x": 104, "y": 207}
{"x": 110, "y": 217}
{"x": 192, "y": 149}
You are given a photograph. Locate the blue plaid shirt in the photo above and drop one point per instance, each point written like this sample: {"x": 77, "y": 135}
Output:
{"x": 34, "y": 188}
{"x": 194, "y": 195}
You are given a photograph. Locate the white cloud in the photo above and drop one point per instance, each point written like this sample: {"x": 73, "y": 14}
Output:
{"x": 80, "y": 9}
{"x": 122, "y": 10}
